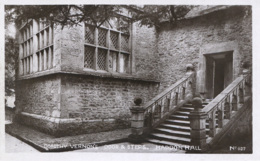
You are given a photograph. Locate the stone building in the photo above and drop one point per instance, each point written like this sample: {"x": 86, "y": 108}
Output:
{"x": 84, "y": 79}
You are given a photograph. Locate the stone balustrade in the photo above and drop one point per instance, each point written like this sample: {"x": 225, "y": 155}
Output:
{"x": 154, "y": 111}
{"x": 218, "y": 110}
{"x": 172, "y": 97}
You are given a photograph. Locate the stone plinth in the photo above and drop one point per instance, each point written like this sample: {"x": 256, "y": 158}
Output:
{"x": 198, "y": 124}
{"x": 137, "y": 124}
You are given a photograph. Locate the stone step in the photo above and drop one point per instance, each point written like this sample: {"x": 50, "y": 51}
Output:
{"x": 184, "y": 123}
{"x": 182, "y": 113}
{"x": 174, "y": 139}
{"x": 172, "y": 132}
{"x": 175, "y": 127}
{"x": 180, "y": 127}
{"x": 178, "y": 122}
{"x": 186, "y": 109}
{"x": 162, "y": 142}
{"x": 178, "y": 117}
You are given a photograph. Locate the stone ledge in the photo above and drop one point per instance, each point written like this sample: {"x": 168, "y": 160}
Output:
{"x": 65, "y": 120}
{"x": 67, "y": 127}
{"x": 89, "y": 73}
{"x": 204, "y": 10}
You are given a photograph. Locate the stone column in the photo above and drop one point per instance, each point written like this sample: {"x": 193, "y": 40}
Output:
{"x": 198, "y": 125}
{"x": 137, "y": 124}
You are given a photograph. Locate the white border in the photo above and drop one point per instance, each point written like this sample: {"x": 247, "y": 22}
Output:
{"x": 139, "y": 156}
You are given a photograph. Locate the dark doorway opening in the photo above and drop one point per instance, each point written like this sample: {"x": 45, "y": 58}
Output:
{"x": 219, "y": 72}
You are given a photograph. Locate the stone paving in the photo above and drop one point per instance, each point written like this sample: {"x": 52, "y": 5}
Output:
{"x": 14, "y": 145}
{"x": 102, "y": 142}
{"x": 45, "y": 142}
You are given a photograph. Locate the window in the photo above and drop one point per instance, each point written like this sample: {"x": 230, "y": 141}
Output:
{"x": 44, "y": 43}
{"x": 107, "y": 48}
{"x": 26, "y": 48}
{"x": 36, "y": 40}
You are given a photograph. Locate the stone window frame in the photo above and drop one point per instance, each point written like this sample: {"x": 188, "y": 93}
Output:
{"x": 35, "y": 56}
{"x": 117, "y": 60}
{"x": 231, "y": 47}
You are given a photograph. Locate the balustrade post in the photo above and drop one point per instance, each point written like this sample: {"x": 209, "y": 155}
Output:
{"x": 241, "y": 95}
{"x": 234, "y": 103}
{"x": 137, "y": 124}
{"x": 220, "y": 117}
{"x": 170, "y": 102}
{"x": 247, "y": 87}
{"x": 190, "y": 72}
{"x": 176, "y": 98}
{"x": 212, "y": 124}
{"x": 162, "y": 108}
{"x": 227, "y": 109}
{"x": 183, "y": 93}
{"x": 198, "y": 124}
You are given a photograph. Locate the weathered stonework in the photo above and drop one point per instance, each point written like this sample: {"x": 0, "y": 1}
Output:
{"x": 39, "y": 96}
{"x": 145, "y": 52}
{"x": 72, "y": 49}
{"x": 181, "y": 43}
{"x": 66, "y": 104}
{"x": 89, "y": 97}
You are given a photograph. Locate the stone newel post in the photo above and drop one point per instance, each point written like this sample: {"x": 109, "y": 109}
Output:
{"x": 198, "y": 124}
{"x": 137, "y": 123}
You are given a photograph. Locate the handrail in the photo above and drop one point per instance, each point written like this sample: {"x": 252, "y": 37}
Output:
{"x": 226, "y": 102}
{"x": 168, "y": 99}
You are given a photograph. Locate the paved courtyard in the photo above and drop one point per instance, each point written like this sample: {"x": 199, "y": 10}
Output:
{"x": 14, "y": 145}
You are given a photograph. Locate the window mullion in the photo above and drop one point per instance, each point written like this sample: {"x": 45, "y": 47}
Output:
{"x": 108, "y": 51}
{"x": 131, "y": 56}
{"x": 119, "y": 53}
{"x": 96, "y": 49}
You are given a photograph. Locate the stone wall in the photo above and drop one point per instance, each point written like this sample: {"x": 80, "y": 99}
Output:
{"x": 70, "y": 104}
{"x": 90, "y": 97}
{"x": 180, "y": 44}
{"x": 72, "y": 48}
{"x": 39, "y": 96}
{"x": 145, "y": 52}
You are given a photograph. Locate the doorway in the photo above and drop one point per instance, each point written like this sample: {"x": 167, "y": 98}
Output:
{"x": 219, "y": 72}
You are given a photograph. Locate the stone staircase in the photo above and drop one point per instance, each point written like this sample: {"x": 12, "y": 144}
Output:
{"x": 175, "y": 130}
{"x": 166, "y": 119}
